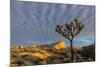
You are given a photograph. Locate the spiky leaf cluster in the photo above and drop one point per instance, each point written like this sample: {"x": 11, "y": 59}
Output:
{"x": 70, "y": 30}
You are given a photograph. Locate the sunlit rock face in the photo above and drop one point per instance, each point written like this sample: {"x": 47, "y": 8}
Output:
{"x": 60, "y": 45}
{"x": 38, "y": 53}
{"x": 41, "y": 55}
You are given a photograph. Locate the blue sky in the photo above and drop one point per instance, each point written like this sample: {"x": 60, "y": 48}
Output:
{"x": 34, "y": 22}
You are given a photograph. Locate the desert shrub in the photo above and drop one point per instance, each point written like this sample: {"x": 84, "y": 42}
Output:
{"x": 43, "y": 62}
{"x": 19, "y": 61}
{"x": 56, "y": 61}
{"x": 37, "y": 61}
{"x": 88, "y": 51}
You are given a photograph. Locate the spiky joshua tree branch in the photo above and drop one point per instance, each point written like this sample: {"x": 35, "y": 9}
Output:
{"x": 69, "y": 31}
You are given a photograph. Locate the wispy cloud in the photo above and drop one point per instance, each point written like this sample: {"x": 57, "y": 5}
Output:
{"x": 34, "y": 21}
{"x": 84, "y": 40}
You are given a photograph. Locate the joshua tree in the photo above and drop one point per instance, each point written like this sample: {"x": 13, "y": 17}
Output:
{"x": 69, "y": 31}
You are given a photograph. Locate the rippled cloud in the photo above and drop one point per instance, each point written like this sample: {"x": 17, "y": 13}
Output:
{"x": 35, "y": 21}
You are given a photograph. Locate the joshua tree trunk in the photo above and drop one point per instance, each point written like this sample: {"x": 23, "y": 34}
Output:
{"x": 72, "y": 53}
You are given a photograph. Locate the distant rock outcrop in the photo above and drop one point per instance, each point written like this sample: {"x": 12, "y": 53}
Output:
{"x": 19, "y": 47}
{"x": 60, "y": 45}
